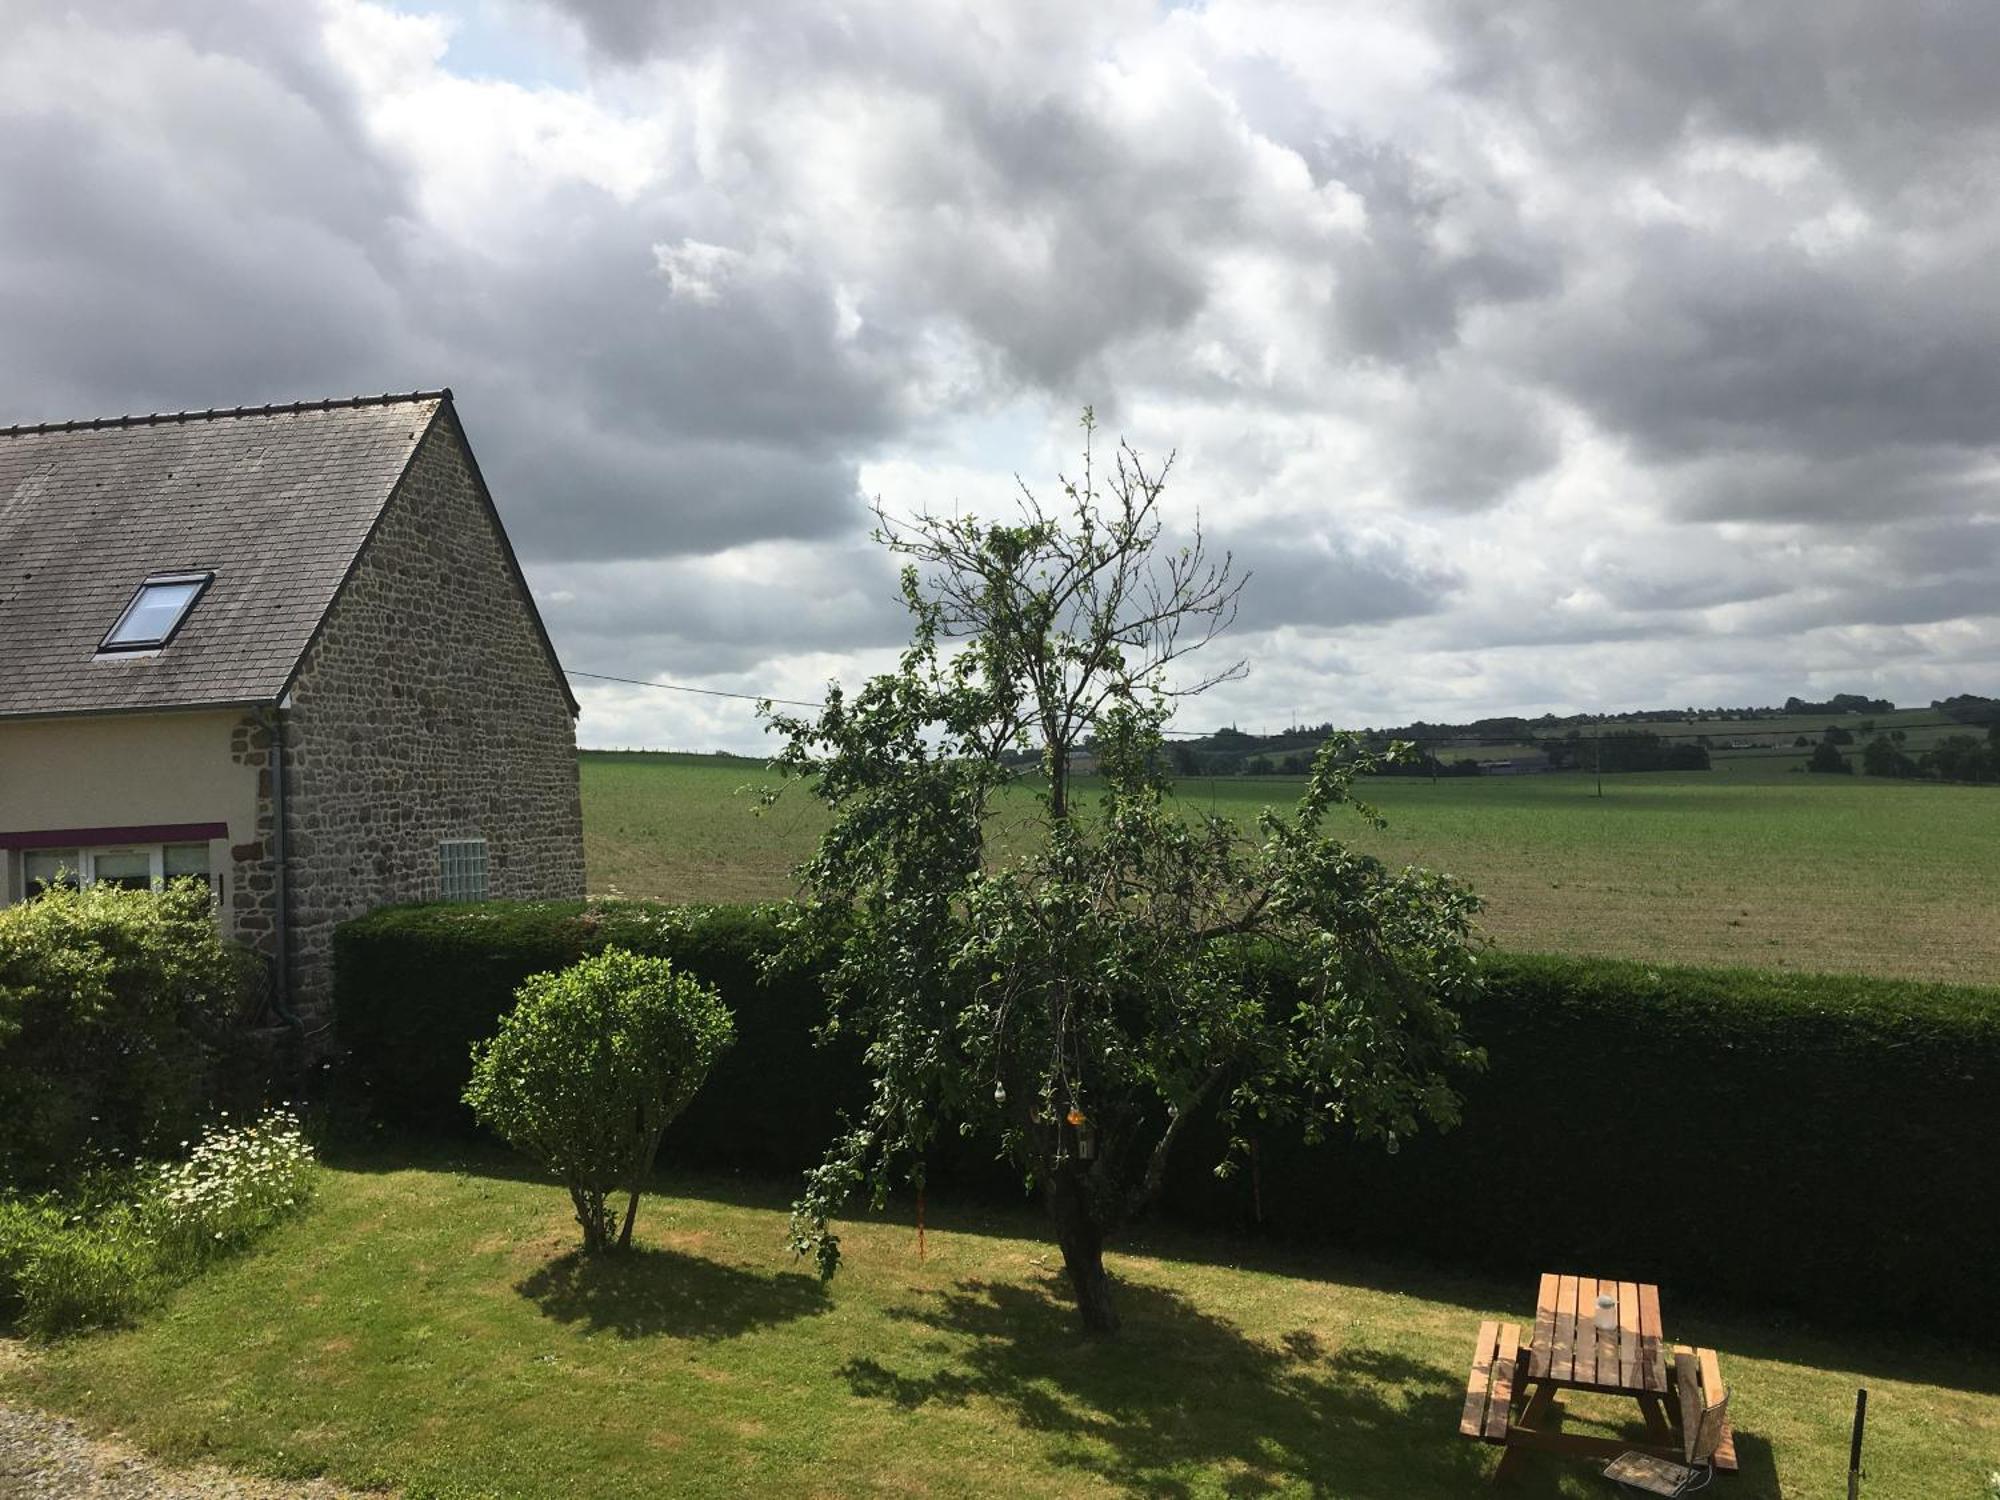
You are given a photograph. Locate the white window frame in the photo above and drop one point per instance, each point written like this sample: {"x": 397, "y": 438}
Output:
{"x": 83, "y": 864}
{"x": 155, "y": 860}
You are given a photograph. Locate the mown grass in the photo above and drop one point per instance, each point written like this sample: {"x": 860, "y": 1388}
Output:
{"x": 1821, "y": 873}
{"x": 428, "y": 1328}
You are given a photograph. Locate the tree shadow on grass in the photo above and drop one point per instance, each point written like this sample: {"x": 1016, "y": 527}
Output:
{"x": 1183, "y": 1393}
{"x": 646, "y": 1292}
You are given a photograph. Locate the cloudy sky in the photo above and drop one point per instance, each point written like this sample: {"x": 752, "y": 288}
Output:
{"x": 1538, "y": 357}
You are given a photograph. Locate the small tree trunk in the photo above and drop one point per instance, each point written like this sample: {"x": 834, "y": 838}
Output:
{"x": 589, "y": 1216}
{"x": 1082, "y": 1240}
{"x": 638, "y": 1183}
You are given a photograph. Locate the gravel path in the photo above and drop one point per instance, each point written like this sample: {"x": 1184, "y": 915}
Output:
{"x": 51, "y": 1458}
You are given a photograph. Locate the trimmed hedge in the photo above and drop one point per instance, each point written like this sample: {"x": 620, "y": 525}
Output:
{"x": 416, "y": 986}
{"x": 1818, "y": 1142}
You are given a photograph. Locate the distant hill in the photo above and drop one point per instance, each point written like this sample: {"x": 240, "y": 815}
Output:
{"x": 1642, "y": 739}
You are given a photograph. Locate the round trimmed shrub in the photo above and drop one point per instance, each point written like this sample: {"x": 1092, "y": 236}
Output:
{"x": 589, "y": 1069}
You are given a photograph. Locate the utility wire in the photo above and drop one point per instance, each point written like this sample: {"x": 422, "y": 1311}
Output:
{"x": 679, "y": 687}
{"x": 1468, "y": 739}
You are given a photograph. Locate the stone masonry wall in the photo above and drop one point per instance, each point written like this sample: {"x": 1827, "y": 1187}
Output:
{"x": 253, "y": 881}
{"x": 428, "y": 709}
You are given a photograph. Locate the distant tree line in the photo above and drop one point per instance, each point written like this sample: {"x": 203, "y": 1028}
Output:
{"x": 1588, "y": 741}
{"x": 1957, "y": 757}
{"x": 1969, "y": 708}
{"x": 1627, "y": 750}
{"x": 1841, "y": 703}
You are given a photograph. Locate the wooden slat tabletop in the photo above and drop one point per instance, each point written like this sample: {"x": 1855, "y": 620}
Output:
{"x": 1652, "y": 1351}
{"x": 1569, "y": 1349}
{"x": 1628, "y": 1335}
{"x": 1562, "y": 1357}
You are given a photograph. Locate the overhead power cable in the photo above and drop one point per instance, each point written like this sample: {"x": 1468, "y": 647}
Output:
{"x": 681, "y": 687}
{"x": 1468, "y": 738}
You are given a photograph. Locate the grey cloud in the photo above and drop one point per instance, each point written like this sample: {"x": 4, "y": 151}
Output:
{"x": 1888, "y": 484}
{"x": 1465, "y": 439}
{"x": 1886, "y": 91}
{"x": 1312, "y": 581}
{"x": 229, "y": 234}
{"x": 1401, "y": 293}
{"x": 1011, "y": 204}
{"x": 1704, "y": 343}
{"x": 132, "y": 277}
{"x": 825, "y": 598}
{"x": 1650, "y": 583}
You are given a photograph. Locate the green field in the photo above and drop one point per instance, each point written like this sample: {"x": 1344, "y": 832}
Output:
{"x": 1741, "y": 865}
{"x": 427, "y": 1329}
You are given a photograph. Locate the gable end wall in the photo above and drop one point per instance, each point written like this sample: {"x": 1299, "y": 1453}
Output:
{"x": 427, "y": 709}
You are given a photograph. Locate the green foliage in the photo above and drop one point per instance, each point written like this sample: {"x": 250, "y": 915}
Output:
{"x": 1826, "y": 758}
{"x": 1961, "y": 757}
{"x": 1882, "y": 756}
{"x": 416, "y": 986}
{"x": 1773, "y": 1115}
{"x": 115, "y": 1010}
{"x": 74, "y": 1277}
{"x": 1626, "y": 750}
{"x": 114, "y": 1241}
{"x": 589, "y": 1069}
{"x": 1077, "y": 1006}
{"x": 1705, "y": 1129}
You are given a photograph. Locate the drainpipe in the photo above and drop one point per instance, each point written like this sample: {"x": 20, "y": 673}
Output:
{"x": 281, "y": 999}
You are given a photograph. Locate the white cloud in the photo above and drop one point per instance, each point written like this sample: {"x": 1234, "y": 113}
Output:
{"x": 1532, "y": 359}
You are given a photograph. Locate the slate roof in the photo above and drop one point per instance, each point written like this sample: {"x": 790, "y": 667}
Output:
{"x": 275, "y": 501}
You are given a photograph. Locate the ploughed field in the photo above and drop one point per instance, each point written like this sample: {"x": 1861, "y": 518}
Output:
{"x": 1728, "y": 867}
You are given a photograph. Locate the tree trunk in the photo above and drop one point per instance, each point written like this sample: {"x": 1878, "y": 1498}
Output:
{"x": 639, "y": 1180}
{"x": 589, "y": 1216}
{"x": 1082, "y": 1240}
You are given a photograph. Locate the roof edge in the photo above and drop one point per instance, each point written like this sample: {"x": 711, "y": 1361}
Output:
{"x": 214, "y": 413}
{"x": 447, "y": 409}
{"x": 513, "y": 561}
{"x": 193, "y": 706}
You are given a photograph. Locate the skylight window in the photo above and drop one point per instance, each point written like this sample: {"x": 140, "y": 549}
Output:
{"x": 156, "y": 611}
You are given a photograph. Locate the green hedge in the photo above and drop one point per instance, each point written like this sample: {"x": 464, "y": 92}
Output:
{"x": 416, "y": 986}
{"x": 1815, "y": 1142}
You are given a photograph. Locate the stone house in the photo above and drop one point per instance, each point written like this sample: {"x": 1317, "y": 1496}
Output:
{"x": 287, "y": 650}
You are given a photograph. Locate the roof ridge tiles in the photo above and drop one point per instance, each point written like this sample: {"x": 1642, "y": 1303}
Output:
{"x": 276, "y": 409}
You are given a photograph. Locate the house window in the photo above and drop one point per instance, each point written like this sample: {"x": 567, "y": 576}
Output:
{"x": 136, "y": 867}
{"x": 157, "y": 610}
{"x": 42, "y": 868}
{"x": 462, "y": 869}
{"x": 186, "y": 861}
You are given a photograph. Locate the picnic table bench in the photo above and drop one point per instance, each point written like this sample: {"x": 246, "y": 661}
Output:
{"x": 1681, "y": 1400}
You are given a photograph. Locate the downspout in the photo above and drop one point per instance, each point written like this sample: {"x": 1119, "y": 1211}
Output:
{"x": 281, "y": 999}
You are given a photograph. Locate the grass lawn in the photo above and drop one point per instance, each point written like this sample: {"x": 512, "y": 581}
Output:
{"x": 426, "y": 1328}
{"x": 1730, "y": 867}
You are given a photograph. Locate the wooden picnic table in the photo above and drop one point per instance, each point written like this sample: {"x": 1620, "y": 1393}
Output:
{"x": 1566, "y": 1351}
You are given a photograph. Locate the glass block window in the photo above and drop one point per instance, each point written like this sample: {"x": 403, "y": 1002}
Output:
{"x": 462, "y": 869}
